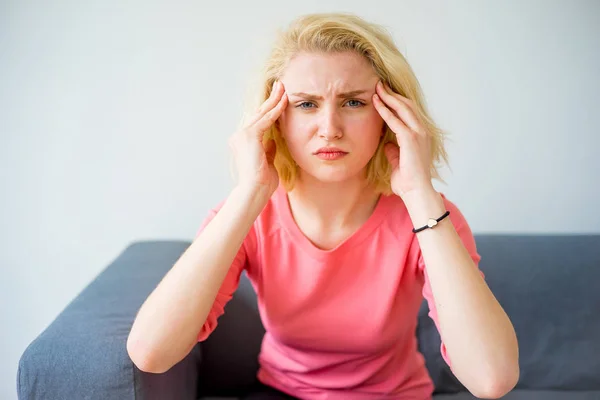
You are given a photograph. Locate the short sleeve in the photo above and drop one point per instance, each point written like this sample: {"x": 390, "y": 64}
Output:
{"x": 229, "y": 285}
{"x": 464, "y": 232}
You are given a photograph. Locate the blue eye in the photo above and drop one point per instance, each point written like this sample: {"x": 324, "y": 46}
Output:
{"x": 360, "y": 103}
{"x": 304, "y": 102}
{"x": 357, "y": 104}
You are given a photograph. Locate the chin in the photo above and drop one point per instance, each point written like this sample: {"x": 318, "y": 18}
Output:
{"x": 332, "y": 175}
{"x": 332, "y": 179}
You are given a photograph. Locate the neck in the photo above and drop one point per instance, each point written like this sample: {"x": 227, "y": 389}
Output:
{"x": 333, "y": 205}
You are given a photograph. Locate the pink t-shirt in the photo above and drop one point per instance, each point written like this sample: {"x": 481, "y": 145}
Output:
{"x": 340, "y": 323}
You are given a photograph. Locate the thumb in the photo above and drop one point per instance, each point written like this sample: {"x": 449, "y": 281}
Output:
{"x": 392, "y": 153}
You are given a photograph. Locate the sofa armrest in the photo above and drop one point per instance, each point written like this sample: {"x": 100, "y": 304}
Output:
{"x": 82, "y": 354}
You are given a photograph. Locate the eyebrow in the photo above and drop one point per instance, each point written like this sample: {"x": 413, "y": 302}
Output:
{"x": 341, "y": 95}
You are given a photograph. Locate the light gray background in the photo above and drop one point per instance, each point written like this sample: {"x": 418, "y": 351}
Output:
{"x": 115, "y": 116}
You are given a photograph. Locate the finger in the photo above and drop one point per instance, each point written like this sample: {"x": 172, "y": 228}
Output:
{"x": 271, "y": 116}
{"x": 268, "y": 104}
{"x": 404, "y": 99}
{"x": 395, "y": 102}
{"x": 391, "y": 119}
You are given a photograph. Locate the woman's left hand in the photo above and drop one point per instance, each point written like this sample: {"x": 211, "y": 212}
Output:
{"x": 410, "y": 160}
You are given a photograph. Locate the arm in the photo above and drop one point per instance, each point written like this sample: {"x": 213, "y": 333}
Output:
{"x": 167, "y": 325}
{"x": 477, "y": 334}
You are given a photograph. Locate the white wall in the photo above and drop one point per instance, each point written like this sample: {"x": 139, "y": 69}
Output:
{"x": 114, "y": 118}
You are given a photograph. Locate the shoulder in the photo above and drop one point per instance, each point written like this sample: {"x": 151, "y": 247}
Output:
{"x": 269, "y": 219}
{"x": 456, "y": 215}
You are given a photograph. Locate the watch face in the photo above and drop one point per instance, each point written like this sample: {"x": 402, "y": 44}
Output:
{"x": 431, "y": 223}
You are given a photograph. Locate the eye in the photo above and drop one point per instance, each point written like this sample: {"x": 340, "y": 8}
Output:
{"x": 304, "y": 102}
{"x": 356, "y": 104}
{"x": 360, "y": 103}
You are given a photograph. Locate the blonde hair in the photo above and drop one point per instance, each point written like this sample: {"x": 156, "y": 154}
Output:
{"x": 341, "y": 32}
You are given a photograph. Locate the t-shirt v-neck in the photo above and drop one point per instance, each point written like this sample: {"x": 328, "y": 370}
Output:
{"x": 289, "y": 224}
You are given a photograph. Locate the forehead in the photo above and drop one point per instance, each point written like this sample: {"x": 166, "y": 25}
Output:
{"x": 319, "y": 71}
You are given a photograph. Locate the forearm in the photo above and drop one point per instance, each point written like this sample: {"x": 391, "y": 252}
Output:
{"x": 166, "y": 326}
{"x": 478, "y": 335}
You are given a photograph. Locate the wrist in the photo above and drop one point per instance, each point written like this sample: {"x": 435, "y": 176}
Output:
{"x": 253, "y": 197}
{"x": 423, "y": 205}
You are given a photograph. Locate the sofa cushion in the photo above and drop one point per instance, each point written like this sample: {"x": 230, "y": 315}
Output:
{"x": 520, "y": 394}
{"x": 547, "y": 284}
{"x": 514, "y": 395}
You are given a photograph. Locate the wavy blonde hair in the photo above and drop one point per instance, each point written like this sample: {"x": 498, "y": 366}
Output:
{"x": 341, "y": 32}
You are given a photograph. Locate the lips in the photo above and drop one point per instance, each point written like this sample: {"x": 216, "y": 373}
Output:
{"x": 330, "y": 153}
{"x": 327, "y": 150}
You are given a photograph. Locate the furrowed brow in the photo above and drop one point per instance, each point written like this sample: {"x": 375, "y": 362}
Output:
{"x": 310, "y": 96}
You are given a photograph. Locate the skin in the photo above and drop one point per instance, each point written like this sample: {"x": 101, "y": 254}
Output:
{"x": 331, "y": 199}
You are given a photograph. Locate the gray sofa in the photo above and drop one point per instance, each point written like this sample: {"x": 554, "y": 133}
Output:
{"x": 548, "y": 284}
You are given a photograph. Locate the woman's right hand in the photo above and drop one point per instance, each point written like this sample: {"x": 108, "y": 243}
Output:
{"x": 254, "y": 161}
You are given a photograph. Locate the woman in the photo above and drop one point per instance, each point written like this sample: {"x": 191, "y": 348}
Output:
{"x": 341, "y": 232}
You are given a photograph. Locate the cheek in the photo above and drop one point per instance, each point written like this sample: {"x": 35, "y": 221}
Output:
{"x": 370, "y": 126}
{"x": 375, "y": 119}
{"x": 293, "y": 127}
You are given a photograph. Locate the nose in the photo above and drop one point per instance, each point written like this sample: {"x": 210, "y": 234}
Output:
{"x": 330, "y": 127}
